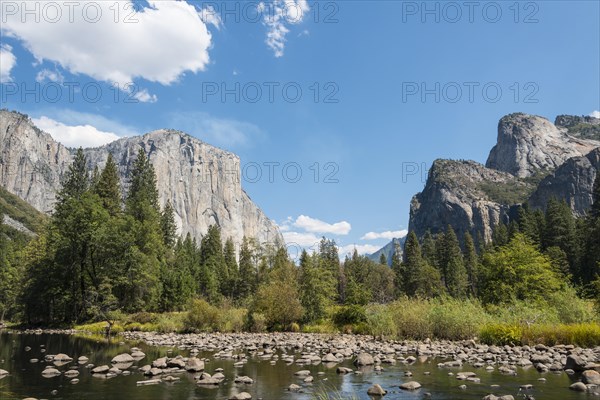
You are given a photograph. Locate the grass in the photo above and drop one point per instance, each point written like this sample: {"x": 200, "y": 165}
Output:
{"x": 584, "y": 335}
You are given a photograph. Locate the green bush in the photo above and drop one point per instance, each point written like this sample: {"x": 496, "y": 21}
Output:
{"x": 256, "y": 322}
{"x": 501, "y": 335}
{"x": 380, "y": 321}
{"x": 201, "y": 317}
{"x": 143, "y": 318}
{"x": 233, "y": 320}
{"x": 411, "y": 318}
{"x": 456, "y": 319}
{"x": 349, "y": 315}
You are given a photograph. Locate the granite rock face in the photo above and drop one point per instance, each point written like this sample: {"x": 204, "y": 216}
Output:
{"x": 462, "y": 194}
{"x": 532, "y": 161}
{"x": 202, "y": 182}
{"x": 573, "y": 182}
{"x": 529, "y": 144}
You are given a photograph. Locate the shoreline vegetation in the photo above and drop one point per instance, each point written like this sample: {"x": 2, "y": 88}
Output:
{"x": 107, "y": 265}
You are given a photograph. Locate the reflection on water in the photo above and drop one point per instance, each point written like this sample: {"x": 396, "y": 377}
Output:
{"x": 270, "y": 381}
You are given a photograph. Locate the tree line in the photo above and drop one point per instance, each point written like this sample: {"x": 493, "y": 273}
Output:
{"x": 99, "y": 253}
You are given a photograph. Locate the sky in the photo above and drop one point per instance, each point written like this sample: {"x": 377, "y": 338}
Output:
{"x": 336, "y": 108}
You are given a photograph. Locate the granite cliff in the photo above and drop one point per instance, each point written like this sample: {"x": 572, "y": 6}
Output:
{"x": 202, "y": 182}
{"x": 533, "y": 160}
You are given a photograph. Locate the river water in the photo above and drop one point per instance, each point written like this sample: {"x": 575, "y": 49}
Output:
{"x": 270, "y": 381}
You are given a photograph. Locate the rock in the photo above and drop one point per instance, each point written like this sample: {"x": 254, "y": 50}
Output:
{"x": 209, "y": 382}
{"x": 160, "y": 363}
{"x": 62, "y": 358}
{"x": 122, "y": 359}
{"x": 50, "y": 373}
{"x": 241, "y": 396}
{"x": 302, "y": 373}
{"x": 578, "y": 387}
{"x": 364, "y": 359}
{"x": 529, "y": 143}
{"x": 293, "y": 387}
{"x": 376, "y": 390}
{"x": 244, "y": 379}
{"x": 148, "y": 382}
{"x": 216, "y": 197}
{"x": 194, "y": 364}
{"x": 309, "y": 379}
{"x": 3, "y": 373}
{"x": 138, "y": 355}
{"x": 343, "y": 370}
{"x": 412, "y": 385}
{"x": 590, "y": 377}
{"x": 82, "y": 360}
{"x": 575, "y": 362}
{"x": 103, "y": 369}
{"x": 493, "y": 397}
{"x": 330, "y": 358}
{"x": 176, "y": 363}
{"x": 72, "y": 373}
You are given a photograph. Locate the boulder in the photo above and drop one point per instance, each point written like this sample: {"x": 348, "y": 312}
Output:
{"x": 578, "y": 387}
{"x": 103, "y": 369}
{"x": 412, "y": 385}
{"x": 241, "y": 396}
{"x": 376, "y": 390}
{"x": 194, "y": 364}
{"x": 364, "y": 359}
{"x": 122, "y": 359}
{"x": 590, "y": 377}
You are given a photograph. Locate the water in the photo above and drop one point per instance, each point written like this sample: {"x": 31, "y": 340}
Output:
{"x": 270, "y": 381}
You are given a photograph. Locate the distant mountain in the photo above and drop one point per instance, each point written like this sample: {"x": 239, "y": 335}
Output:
{"x": 388, "y": 250}
{"x": 532, "y": 161}
{"x": 202, "y": 182}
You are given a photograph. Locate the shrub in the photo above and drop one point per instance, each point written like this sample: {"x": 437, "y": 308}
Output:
{"x": 379, "y": 321}
{"x": 456, "y": 319}
{"x": 411, "y": 318}
{"x": 233, "y": 320}
{"x": 143, "y": 318}
{"x": 349, "y": 315}
{"x": 201, "y": 317}
{"x": 256, "y": 322}
{"x": 168, "y": 322}
{"x": 501, "y": 335}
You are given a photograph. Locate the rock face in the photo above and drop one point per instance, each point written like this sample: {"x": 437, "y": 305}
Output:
{"x": 528, "y": 144}
{"x": 465, "y": 195}
{"x": 202, "y": 182}
{"x": 474, "y": 198}
{"x": 573, "y": 182}
{"x": 396, "y": 244}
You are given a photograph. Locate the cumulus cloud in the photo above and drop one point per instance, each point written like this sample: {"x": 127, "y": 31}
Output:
{"x": 317, "y": 226}
{"x": 144, "y": 97}
{"x": 303, "y": 239}
{"x": 74, "y": 136}
{"x": 278, "y": 16}
{"x": 7, "y": 63}
{"x": 389, "y": 235}
{"x": 361, "y": 248}
{"x": 595, "y": 114}
{"x": 73, "y": 118}
{"x": 49, "y": 75}
{"x": 222, "y": 132}
{"x": 118, "y": 51}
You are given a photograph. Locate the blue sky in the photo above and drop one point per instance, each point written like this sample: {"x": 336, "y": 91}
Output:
{"x": 386, "y": 88}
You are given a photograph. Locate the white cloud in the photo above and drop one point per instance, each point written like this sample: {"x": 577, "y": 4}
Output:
{"x": 216, "y": 131}
{"x": 278, "y": 15}
{"x": 361, "y": 248}
{"x": 389, "y": 235}
{"x": 7, "y": 63}
{"x": 160, "y": 43}
{"x": 303, "y": 239}
{"x": 52, "y": 76}
{"x": 101, "y": 123}
{"x": 317, "y": 226}
{"x": 144, "y": 97}
{"x": 74, "y": 136}
{"x": 211, "y": 16}
{"x": 595, "y": 114}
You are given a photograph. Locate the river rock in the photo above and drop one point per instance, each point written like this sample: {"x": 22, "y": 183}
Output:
{"x": 241, "y": 396}
{"x": 578, "y": 387}
{"x": 50, "y": 373}
{"x": 3, "y": 373}
{"x": 575, "y": 362}
{"x": 591, "y": 377}
{"x": 364, "y": 359}
{"x": 244, "y": 379}
{"x": 412, "y": 385}
{"x": 122, "y": 359}
{"x": 62, "y": 358}
{"x": 330, "y": 358}
{"x": 72, "y": 373}
{"x": 194, "y": 364}
{"x": 103, "y": 369}
{"x": 376, "y": 390}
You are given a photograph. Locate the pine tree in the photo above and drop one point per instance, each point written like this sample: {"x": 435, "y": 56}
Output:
{"x": 108, "y": 187}
{"x": 560, "y": 231}
{"x": 382, "y": 259}
{"x": 595, "y": 209}
{"x": 398, "y": 269}
{"x": 500, "y": 235}
{"x": 228, "y": 287}
{"x": 413, "y": 265}
{"x": 471, "y": 264}
{"x": 213, "y": 270}
{"x": 247, "y": 280}
{"x": 76, "y": 182}
{"x": 167, "y": 225}
{"x": 316, "y": 293}
{"x": 590, "y": 264}
{"x": 142, "y": 200}
{"x": 453, "y": 268}
{"x": 428, "y": 249}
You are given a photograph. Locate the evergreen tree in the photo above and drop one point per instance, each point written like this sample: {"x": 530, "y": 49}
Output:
{"x": 590, "y": 264}
{"x": 229, "y": 286}
{"x": 413, "y": 265}
{"x": 9, "y": 274}
{"x": 383, "y": 259}
{"x": 471, "y": 264}
{"x": 500, "y": 235}
{"x": 247, "y": 280}
{"x": 428, "y": 249}
{"x": 76, "y": 181}
{"x": 316, "y": 291}
{"x": 213, "y": 269}
{"x": 142, "y": 200}
{"x": 398, "y": 269}
{"x": 167, "y": 225}
{"x": 108, "y": 187}
{"x": 560, "y": 231}
{"x": 453, "y": 268}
